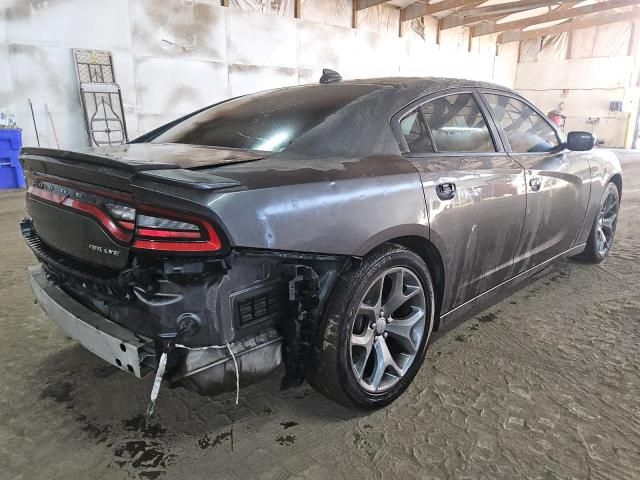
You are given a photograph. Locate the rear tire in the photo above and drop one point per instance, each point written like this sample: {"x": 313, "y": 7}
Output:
{"x": 604, "y": 226}
{"x": 365, "y": 357}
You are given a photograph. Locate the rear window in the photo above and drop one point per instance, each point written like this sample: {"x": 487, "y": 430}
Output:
{"x": 266, "y": 121}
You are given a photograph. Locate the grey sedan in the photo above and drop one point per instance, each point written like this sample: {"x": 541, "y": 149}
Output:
{"x": 329, "y": 227}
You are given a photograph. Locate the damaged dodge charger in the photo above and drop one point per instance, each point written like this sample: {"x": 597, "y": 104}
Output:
{"x": 330, "y": 228}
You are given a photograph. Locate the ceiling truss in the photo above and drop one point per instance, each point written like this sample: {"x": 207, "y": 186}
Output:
{"x": 557, "y": 14}
{"x": 569, "y": 25}
{"x": 486, "y": 18}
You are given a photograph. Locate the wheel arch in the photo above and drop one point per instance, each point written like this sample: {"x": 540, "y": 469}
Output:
{"x": 617, "y": 179}
{"x": 429, "y": 253}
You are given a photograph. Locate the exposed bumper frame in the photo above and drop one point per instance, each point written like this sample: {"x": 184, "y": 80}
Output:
{"x": 108, "y": 340}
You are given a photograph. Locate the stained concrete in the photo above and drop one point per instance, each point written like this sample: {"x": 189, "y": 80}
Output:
{"x": 543, "y": 385}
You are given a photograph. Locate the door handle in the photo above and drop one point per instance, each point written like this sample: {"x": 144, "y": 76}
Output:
{"x": 535, "y": 183}
{"x": 446, "y": 191}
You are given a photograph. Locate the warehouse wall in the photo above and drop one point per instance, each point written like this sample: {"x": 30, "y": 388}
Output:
{"x": 172, "y": 57}
{"x": 582, "y": 76}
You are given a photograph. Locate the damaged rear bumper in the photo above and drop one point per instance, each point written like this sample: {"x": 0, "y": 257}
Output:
{"x": 206, "y": 371}
{"x": 108, "y": 340}
{"x": 264, "y": 305}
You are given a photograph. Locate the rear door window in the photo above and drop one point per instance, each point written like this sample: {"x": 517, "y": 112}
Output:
{"x": 415, "y": 133}
{"x": 526, "y": 130}
{"x": 453, "y": 123}
{"x": 457, "y": 124}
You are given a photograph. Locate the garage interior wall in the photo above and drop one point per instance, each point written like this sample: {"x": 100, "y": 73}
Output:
{"x": 175, "y": 56}
{"x": 581, "y": 72}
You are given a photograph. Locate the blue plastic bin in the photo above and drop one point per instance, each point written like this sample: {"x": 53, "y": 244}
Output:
{"x": 11, "y": 175}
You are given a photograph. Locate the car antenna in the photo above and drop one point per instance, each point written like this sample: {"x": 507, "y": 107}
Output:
{"x": 329, "y": 76}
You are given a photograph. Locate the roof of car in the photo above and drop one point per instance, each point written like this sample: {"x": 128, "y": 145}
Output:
{"x": 361, "y": 126}
{"x": 426, "y": 83}
{"x": 357, "y": 112}
{"x": 392, "y": 93}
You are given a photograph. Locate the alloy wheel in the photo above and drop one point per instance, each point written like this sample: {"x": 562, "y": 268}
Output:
{"x": 606, "y": 226}
{"x": 388, "y": 329}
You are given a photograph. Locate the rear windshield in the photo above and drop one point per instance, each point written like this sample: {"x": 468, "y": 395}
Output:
{"x": 267, "y": 121}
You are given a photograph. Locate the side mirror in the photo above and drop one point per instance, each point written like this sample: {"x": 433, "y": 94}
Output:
{"x": 580, "y": 141}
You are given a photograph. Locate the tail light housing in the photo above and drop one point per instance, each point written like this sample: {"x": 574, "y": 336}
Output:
{"x": 142, "y": 226}
{"x": 161, "y": 230}
{"x": 164, "y": 230}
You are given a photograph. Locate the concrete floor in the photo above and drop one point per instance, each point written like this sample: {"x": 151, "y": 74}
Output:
{"x": 543, "y": 385}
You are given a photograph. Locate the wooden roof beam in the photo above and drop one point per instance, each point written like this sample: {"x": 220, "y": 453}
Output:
{"x": 364, "y": 4}
{"x": 517, "y": 35}
{"x": 470, "y": 18}
{"x": 466, "y": 8}
{"x": 489, "y": 28}
{"x": 566, "y": 5}
{"x": 512, "y": 7}
{"x": 456, "y": 20}
{"x": 416, "y": 10}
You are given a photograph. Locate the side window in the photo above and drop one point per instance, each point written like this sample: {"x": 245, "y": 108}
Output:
{"x": 457, "y": 125}
{"x": 415, "y": 133}
{"x": 527, "y": 131}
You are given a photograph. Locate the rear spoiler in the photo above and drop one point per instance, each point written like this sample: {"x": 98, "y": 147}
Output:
{"x": 73, "y": 165}
{"x": 130, "y": 166}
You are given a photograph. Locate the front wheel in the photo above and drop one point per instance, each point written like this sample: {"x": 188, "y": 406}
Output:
{"x": 604, "y": 226}
{"x": 374, "y": 335}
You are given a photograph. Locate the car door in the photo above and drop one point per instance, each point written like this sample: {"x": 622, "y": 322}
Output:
{"x": 474, "y": 192}
{"x": 558, "y": 181}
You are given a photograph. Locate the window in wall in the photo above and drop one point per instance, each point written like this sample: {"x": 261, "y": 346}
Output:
{"x": 527, "y": 131}
{"x": 457, "y": 125}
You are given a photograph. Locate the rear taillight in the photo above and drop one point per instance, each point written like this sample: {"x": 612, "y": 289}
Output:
{"x": 165, "y": 231}
{"x": 171, "y": 232}
{"x": 142, "y": 226}
{"x": 124, "y": 215}
{"x": 56, "y": 195}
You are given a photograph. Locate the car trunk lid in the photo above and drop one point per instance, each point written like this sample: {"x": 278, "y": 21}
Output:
{"x": 71, "y": 194}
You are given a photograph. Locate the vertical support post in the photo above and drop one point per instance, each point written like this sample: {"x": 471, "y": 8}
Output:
{"x": 636, "y": 129}
{"x": 634, "y": 52}
{"x": 296, "y": 8}
{"x": 354, "y": 13}
{"x": 634, "y": 41}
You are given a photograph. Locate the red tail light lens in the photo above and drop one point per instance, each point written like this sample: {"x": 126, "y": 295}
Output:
{"x": 171, "y": 232}
{"x": 86, "y": 208}
{"x": 124, "y": 215}
{"x": 141, "y": 226}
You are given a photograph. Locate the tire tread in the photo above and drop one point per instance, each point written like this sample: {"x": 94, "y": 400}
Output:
{"x": 324, "y": 374}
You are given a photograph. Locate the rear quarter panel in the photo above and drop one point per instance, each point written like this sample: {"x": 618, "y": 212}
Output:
{"x": 329, "y": 206}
